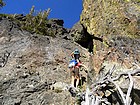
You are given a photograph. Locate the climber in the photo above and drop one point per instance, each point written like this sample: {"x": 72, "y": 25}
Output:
{"x": 74, "y": 67}
{"x": 75, "y": 76}
{"x": 76, "y": 55}
{"x": 72, "y": 63}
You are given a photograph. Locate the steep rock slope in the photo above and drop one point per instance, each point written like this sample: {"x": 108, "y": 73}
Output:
{"x": 31, "y": 65}
{"x": 111, "y": 17}
{"x": 114, "y": 29}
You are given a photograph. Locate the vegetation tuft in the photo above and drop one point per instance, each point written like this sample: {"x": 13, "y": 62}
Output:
{"x": 34, "y": 22}
{"x": 2, "y": 3}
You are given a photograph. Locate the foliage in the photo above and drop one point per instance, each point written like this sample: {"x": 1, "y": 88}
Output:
{"x": 2, "y": 3}
{"x": 36, "y": 22}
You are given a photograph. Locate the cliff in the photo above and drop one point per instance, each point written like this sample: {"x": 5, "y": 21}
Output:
{"x": 104, "y": 18}
{"x": 34, "y": 60}
{"x": 34, "y": 68}
{"x": 113, "y": 29}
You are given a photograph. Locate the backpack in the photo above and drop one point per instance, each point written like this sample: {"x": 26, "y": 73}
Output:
{"x": 72, "y": 63}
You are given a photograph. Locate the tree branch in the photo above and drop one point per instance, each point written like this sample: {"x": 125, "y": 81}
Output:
{"x": 120, "y": 91}
{"x": 134, "y": 72}
{"x": 129, "y": 89}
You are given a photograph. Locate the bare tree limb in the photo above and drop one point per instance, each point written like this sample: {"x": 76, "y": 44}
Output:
{"x": 134, "y": 72}
{"x": 109, "y": 80}
{"x": 129, "y": 89}
{"x": 136, "y": 65}
{"x": 105, "y": 100}
{"x": 97, "y": 100}
{"x": 120, "y": 91}
{"x": 110, "y": 72}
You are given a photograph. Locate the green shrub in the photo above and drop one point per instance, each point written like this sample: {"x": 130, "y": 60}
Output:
{"x": 36, "y": 22}
{"x": 2, "y": 3}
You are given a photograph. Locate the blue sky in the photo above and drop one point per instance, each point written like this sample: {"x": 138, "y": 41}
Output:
{"x": 68, "y": 10}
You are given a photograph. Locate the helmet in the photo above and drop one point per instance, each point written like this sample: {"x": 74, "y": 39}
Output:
{"x": 76, "y": 51}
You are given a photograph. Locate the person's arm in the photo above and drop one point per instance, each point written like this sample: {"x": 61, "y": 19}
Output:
{"x": 72, "y": 55}
{"x": 79, "y": 55}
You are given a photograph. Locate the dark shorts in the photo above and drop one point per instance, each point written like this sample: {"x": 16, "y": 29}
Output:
{"x": 76, "y": 56}
{"x": 75, "y": 72}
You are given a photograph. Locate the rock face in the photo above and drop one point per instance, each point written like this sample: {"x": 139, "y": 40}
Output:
{"x": 80, "y": 35}
{"x": 109, "y": 25}
{"x": 111, "y": 17}
{"x": 34, "y": 68}
{"x": 115, "y": 28}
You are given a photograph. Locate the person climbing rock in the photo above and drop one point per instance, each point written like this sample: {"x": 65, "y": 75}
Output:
{"x": 76, "y": 55}
{"x": 72, "y": 63}
{"x": 74, "y": 67}
{"x": 75, "y": 76}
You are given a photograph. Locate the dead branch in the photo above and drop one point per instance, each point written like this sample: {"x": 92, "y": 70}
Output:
{"x": 129, "y": 89}
{"x": 134, "y": 72}
{"x": 97, "y": 101}
{"x": 120, "y": 91}
{"x": 110, "y": 72}
{"x": 109, "y": 80}
{"x": 103, "y": 82}
{"x": 136, "y": 65}
{"x": 105, "y": 100}
{"x": 126, "y": 100}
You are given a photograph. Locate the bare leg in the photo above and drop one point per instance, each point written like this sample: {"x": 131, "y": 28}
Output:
{"x": 77, "y": 82}
{"x": 72, "y": 81}
{"x": 77, "y": 60}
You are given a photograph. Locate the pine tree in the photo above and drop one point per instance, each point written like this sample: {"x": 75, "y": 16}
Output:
{"x": 2, "y": 3}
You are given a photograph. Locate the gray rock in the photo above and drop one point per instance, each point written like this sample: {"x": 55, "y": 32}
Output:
{"x": 35, "y": 64}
